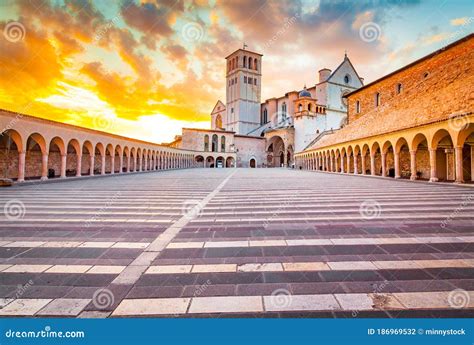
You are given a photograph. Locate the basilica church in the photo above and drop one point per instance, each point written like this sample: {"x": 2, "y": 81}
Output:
{"x": 248, "y": 132}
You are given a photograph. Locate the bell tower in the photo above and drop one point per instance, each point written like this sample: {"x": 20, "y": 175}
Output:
{"x": 243, "y": 90}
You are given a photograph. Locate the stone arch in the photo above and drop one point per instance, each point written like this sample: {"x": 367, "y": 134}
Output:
{"x": 388, "y": 159}
{"x": 199, "y": 161}
{"x": 365, "y": 163}
{"x": 12, "y": 156}
{"x": 210, "y": 162}
{"x": 87, "y": 152}
{"x": 109, "y": 153}
{"x": 56, "y": 158}
{"x": 402, "y": 158}
{"x": 230, "y": 162}
{"x": 419, "y": 157}
{"x": 350, "y": 159}
{"x": 443, "y": 150}
{"x": 99, "y": 162}
{"x": 465, "y": 141}
{"x": 376, "y": 159}
{"x": 357, "y": 160}
{"x": 73, "y": 158}
{"x": 126, "y": 159}
{"x": 252, "y": 163}
{"x": 118, "y": 159}
{"x": 36, "y": 157}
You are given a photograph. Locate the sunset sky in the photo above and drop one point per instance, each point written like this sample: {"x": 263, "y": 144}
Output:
{"x": 145, "y": 69}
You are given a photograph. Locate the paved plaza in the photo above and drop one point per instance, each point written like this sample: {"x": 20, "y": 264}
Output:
{"x": 237, "y": 243}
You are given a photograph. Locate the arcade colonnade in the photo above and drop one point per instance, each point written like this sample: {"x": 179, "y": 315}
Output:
{"x": 33, "y": 148}
{"x": 441, "y": 151}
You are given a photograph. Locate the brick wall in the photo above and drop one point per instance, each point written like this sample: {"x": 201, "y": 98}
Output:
{"x": 432, "y": 89}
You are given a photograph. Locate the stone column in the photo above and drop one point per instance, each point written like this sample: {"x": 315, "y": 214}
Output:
{"x": 285, "y": 159}
{"x": 372, "y": 164}
{"x": 120, "y": 164}
{"x": 331, "y": 163}
{"x": 21, "y": 166}
{"x": 112, "y": 164}
{"x": 348, "y": 164}
{"x": 433, "y": 172}
{"x": 362, "y": 163}
{"x": 396, "y": 159}
{"x": 384, "y": 164}
{"x": 79, "y": 164}
{"x": 140, "y": 161}
{"x": 44, "y": 167}
{"x": 459, "y": 170}
{"x": 342, "y": 164}
{"x": 91, "y": 168}
{"x": 63, "y": 165}
{"x": 102, "y": 168}
{"x": 128, "y": 163}
{"x": 413, "y": 164}
{"x": 356, "y": 165}
{"x": 336, "y": 164}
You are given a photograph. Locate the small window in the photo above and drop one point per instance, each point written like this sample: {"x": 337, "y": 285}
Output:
{"x": 426, "y": 75}
{"x": 250, "y": 80}
{"x": 255, "y": 81}
{"x": 309, "y": 106}
{"x": 347, "y": 79}
{"x": 399, "y": 88}
{"x": 232, "y": 110}
{"x": 245, "y": 80}
{"x": 358, "y": 107}
{"x": 377, "y": 99}
{"x": 300, "y": 107}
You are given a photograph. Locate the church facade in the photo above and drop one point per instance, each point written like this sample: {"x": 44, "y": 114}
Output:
{"x": 268, "y": 133}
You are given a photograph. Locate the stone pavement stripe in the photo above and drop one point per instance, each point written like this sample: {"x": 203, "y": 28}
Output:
{"x": 432, "y": 300}
{"x": 68, "y": 269}
{"x": 228, "y": 304}
{"x": 285, "y": 302}
{"x": 152, "y": 306}
{"x": 96, "y": 245}
{"x": 131, "y": 275}
{"x": 361, "y": 301}
{"x": 64, "y": 307}
{"x": 214, "y": 268}
{"x": 24, "y": 307}
{"x": 27, "y": 269}
{"x": 313, "y": 242}
{"x": 104, "y": 269}
{"x": 311, "y": 266}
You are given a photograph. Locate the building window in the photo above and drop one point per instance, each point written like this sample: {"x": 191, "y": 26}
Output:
{"x": 283, "y": 111}
{"x": 377, "y": 99}
{"x": 347, "y": 79}
{"x": 250, "y": 80}
{"x": 255, "y": 81}
{"x": 309, "y": 106}
{"x": 231, "y": 110}
{"x": 264, "y": 117}
{"x": 245, "y": 62}
{"x": 255, "y": 64}
{"x": 399, "y": 88}
{"x": 215, "y": 140}
{"x": 245, "y": 80}
{"x": 223, "y": 143}
{"x": 358, "y": 107}
{"x": 426, "y": 75}
{"x": 250, "y": 63}
{"x": 206, "y": 142}
{"x": 300, "y": 107}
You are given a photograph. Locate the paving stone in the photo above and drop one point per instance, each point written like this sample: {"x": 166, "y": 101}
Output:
{"x": 228, "y": 304}
{"x": 169, "y": 269}
{"x": 64, "y": 307}
{"x": 352, "y": 265}
{"x": 68, "y": 269}
{"x": 214, "y": 268}
{"x": 27, "y": 268}
{"x": 24, "y": 307}
{"x": 264, "y": 267}
{"x": 285, "y": 302}
{"x": 305, "y": 266}
{"x": 152, "y": 306}
{"x": 106, "y": 269}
